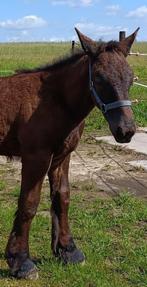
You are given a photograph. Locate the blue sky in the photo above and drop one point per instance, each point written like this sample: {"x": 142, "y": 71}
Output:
{"x": 54, "y": 20}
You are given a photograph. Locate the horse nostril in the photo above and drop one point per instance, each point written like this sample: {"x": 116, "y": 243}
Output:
{"x": 124, "y": 135}
{"x": 120, "y": 132}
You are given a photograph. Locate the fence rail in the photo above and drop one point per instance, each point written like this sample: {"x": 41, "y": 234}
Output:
{"x": 139, "y": 84}
{"x": 137, "y": 54}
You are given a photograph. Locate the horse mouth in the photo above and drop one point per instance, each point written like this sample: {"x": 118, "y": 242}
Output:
{"x": 124, "y": 138}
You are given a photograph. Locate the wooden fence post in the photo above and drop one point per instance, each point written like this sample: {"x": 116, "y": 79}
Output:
{"x": 122, "y": 35}
{"x": 72, "y": 46}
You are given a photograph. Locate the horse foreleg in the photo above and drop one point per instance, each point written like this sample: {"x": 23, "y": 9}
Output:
{"x": 62, "y": 245}
{"x": 34, "y": 169}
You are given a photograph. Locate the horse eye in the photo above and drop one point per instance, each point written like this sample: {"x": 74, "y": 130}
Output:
{"x": 99, "y": 78}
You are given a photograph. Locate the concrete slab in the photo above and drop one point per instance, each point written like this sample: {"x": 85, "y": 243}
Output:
{"x": 139, "y": 163}
{"x": 3, "y": 160}
{"x": 138, "y": 142}
{"x": 142, "y": 129}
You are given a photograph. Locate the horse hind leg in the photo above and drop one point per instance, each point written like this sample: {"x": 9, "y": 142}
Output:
{"x": 62, "y": 245}
{"x": 34, "y": 169}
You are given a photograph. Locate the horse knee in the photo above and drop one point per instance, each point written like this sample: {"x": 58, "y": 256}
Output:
{"x": 28, "y": 212}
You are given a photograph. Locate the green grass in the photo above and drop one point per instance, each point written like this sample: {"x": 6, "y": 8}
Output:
{"x": 111, "y": 233}
{"x": 139, "y": 66}
{"x": 29, "y": 55}
{"x": 2, "y": 185}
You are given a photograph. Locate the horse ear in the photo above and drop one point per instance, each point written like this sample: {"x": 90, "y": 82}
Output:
{"x": 89, "y": 46}
{"x": 125, "y": 44}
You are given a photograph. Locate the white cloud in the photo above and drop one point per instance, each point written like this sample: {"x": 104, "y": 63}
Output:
{"x": 96, "y": 31}
{"x": 112, "y": 9}
{"x": 139, "y": 12}
{"x": 86, "y": 2}
{"x": 73, "y": 3}
{"x": 27, "y": 22}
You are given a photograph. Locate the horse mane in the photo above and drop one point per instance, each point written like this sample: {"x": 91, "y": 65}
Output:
{"x": 69, "y": 59}
{"x": 110, "y": 46}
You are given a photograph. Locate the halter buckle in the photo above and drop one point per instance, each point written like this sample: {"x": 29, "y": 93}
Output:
{"x": 103, "y": 108}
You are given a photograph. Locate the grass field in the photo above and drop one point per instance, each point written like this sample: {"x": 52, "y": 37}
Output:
{"x": 17, "y": 56}
{"x": 111, "y": 232}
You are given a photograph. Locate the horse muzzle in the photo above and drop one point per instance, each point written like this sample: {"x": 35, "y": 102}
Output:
{"x": 124, "y": 133}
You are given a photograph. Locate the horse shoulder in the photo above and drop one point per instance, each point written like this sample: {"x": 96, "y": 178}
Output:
{"x": 69, "y": 145}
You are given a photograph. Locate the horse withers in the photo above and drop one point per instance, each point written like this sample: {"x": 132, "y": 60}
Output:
{"x": 42, "y": 114}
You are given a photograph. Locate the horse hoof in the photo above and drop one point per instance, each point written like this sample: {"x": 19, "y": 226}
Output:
{"x": 27, "y": 270}
{"x": 71, "y": 257}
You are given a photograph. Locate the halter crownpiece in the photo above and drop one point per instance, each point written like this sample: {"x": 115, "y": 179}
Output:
{"x": 102, "y": 106}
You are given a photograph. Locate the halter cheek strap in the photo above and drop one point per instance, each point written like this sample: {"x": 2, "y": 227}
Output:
{"x": 102, "y": 106}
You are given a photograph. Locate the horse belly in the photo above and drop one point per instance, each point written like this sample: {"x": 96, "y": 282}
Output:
{"x": 9, "y": 144}
{"x": 9, "y": 109}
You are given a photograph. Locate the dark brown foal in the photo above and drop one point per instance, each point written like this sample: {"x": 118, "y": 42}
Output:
{"x": 41, "y": 121}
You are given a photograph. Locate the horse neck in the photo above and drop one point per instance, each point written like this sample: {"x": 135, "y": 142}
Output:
{"x": 76, "y": 91}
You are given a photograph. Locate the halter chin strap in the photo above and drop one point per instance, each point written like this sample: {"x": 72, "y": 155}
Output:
{"x": 102, "y": 106}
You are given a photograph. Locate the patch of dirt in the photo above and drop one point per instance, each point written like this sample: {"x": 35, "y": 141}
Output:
{"x": 108, "y": 167}
{"x": 104, "y": 165}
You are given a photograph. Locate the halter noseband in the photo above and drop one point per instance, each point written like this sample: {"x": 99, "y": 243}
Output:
{"x": 102, "y": 106}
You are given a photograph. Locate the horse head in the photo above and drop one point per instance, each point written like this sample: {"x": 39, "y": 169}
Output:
{"x": 110, "y": 78}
